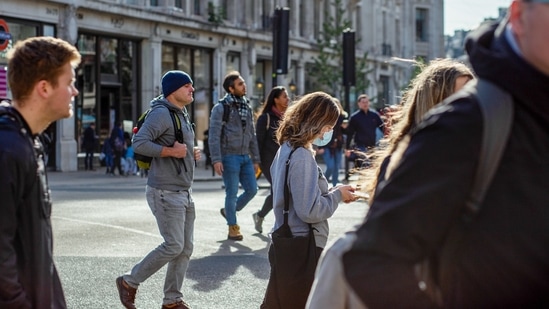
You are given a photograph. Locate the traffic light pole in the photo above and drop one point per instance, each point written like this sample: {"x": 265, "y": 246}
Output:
{"x": 349, "y": 76}
{"x": 348, "y": 110}
{"x": 281, "y": 32}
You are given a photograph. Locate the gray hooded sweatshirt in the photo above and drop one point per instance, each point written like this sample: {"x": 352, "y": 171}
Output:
{"x": 167, "y": 173}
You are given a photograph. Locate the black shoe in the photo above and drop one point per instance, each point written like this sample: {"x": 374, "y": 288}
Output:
{"x": 258, "y": 222}
{"x": 126, "y": 293}
{"x": 222, "y": 211}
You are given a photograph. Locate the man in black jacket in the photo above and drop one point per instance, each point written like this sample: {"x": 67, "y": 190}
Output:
{"x": 361, "y": 131}
{"x": 41, "y": 80}
{"x": 501, "y": 258}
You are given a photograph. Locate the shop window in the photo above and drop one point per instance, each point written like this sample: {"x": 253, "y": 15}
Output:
{"x": 108, "y": 59}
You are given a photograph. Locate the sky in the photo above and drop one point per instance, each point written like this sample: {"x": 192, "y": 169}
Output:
{"x": 468, "y": 14}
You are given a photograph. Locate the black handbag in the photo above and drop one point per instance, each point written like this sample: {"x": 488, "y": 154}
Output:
{"x": 294, "y": 257}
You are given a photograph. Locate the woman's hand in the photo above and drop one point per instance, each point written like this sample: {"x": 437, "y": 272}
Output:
{"x": 347, "y": 193}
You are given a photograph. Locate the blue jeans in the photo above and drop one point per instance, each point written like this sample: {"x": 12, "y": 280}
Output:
{"x": 175, "y": 213}
{"x": 333, "y": 162}
{"x": 238, "y": 169}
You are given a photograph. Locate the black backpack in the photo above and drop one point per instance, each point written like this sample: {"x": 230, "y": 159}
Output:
{"x": 144, "y": 162}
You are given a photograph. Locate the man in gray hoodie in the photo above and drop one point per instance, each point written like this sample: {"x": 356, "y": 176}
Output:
{"x": 168, "y": 190}
{"x": 233, "y": 148}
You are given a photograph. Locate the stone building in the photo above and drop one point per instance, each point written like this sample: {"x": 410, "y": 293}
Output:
{"x": 128, "y": 44}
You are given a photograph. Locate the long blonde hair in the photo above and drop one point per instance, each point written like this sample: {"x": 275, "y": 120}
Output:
{"x": 303, "y": 120}
{"x": 431, "y": 86}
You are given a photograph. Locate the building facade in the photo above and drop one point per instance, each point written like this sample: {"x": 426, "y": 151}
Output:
{"x": 127, "y": 45}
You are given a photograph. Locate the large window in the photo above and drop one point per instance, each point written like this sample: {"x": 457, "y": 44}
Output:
{"x": 18, "y": 31}
{"x": 422, "y": 25}
{"x": 196, "y": 7}
{"x": 107, "y": 81}
{"x": 197, "y": 63}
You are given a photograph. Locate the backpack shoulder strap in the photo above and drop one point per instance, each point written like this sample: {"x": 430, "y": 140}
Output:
{"x": 496, "y": 106}
{"x": 226, "y": 112}
{"x": 268, "y": 121}
{"x": 176, "y": 126}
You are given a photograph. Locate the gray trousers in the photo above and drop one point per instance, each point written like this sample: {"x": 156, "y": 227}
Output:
{"x": 175, "y": 214}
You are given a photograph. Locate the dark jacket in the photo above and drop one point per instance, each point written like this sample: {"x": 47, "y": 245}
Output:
{"x": 501, "y": 259}
{"x": 89, "y": 140}
{"x": 265, "y": 131}
{"x": 362, "y": 129}
{"x": 28, "y": 277}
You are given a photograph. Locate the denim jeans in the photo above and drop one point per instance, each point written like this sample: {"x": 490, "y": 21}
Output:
{"x": 238, "y": 168}
{"x": 333, "y": 162}
{"x": 175, "y": 213}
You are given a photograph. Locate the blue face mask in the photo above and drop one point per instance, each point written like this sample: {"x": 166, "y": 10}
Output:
{"x": 324, "y": 140}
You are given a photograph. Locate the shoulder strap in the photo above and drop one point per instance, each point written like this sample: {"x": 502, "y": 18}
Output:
{"x": 287, "y": 189}
{"x": 268, "y": 121}
{"x": 176, "y": 126}
{"x": 497, "y": 114}
{"x": 226, "y": 112}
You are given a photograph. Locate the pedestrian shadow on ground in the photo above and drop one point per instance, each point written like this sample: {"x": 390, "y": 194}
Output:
{"x": 210, "y": 272}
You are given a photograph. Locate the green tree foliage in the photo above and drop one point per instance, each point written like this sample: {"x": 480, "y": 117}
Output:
{"x": 327, "y": 72}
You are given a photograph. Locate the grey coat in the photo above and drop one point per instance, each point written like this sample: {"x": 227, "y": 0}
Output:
{"x": 231, "y": 138}
{"x": 166, "y": 173}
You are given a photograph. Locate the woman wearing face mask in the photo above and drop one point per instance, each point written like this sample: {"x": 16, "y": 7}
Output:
{"x": 307, "y": 122}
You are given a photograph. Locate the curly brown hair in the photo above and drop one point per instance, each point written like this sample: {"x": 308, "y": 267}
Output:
{"x": 304, "y": 119}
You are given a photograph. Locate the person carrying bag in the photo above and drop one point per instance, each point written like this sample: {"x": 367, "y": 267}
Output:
{"x": 302, "y": 201}
{"x": 295, "y": 258}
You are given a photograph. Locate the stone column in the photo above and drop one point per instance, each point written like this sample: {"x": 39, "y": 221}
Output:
{"x": 65, "y": 142}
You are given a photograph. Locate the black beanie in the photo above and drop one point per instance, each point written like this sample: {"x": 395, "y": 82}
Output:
{"x": 173, "y": 80}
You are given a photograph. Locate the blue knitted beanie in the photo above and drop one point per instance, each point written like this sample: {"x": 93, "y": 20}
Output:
{"x": 173, "y": 80}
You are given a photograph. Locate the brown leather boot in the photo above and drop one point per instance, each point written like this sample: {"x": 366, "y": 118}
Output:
{"x": 126, "y": 293}
{"x": 234, "y": 232}
{"x": 179, "y": 305}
